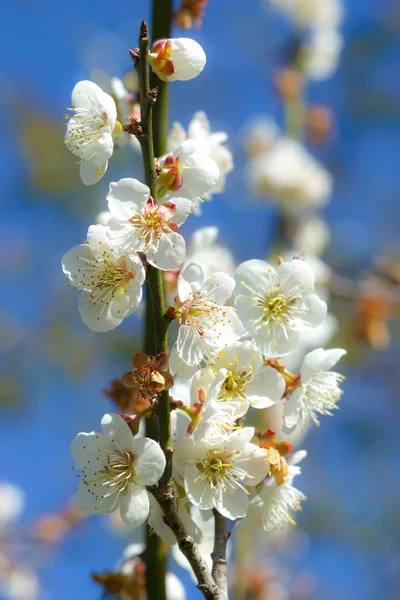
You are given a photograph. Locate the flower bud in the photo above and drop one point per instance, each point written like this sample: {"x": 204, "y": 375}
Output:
{"x": 177, "y": 59}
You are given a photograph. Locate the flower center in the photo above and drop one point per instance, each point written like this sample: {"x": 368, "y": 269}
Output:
{"x": 234, "y": 386}
{"x": 214, "y": 467}
{"x": 201, "y": 313}
{"x": 112, "y": 477}
{"x": 85, "y": 128}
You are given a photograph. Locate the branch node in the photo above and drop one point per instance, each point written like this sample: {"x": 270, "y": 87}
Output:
{"x": 152, "y": 97}
{"x": 135, "y": 56}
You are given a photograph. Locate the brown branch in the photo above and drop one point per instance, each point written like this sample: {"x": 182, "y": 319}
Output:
{"x": 206, "y": 584}
{"x": 219, "y": 568}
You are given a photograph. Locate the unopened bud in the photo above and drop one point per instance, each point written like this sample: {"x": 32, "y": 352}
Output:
{"x": 177, "y": 59}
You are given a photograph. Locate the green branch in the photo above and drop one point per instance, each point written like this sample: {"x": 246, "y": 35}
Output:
{"x": 160, "y": 29}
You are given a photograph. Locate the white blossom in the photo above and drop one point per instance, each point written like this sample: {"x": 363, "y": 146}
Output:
{"x": 206, "y": 325}
{"x": 237, "y": 377}
{"x": 89, "y": 130}
{"x": 116, "y": 467}
{"x": 312, "y": 236}
{"x": 12, "y": 503}
{"x": 320, "y": 54}
{"x": 213, "y": 145}
{"x": 276, "y": 305}
{"x": 319, "y": 391}
{"x": 140, "y": 224}
{"x": 312, "y": 13}
{"x": 217, "y": 475}
{"x": 110, "y": 279}
{"x": 276, "y": 501}
{"x": 177, "y": 59}
{"x": 291, "y": 176}
{"x": 103, "y": 217}
{"x": 188, "y": 172}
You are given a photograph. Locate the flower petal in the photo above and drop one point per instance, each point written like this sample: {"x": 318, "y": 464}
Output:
{"x": 266, "y": 388}
{"x": 253, "y": 276}
{"x": 116, "y": 428}
{"x": 170, "y": 253}
{"x": 149, "y": 461}
{"x": 190, "y": 281}
{"x": 134, "y": 505}
{"x": 90, "y": 173}
{"x": 126, "y": 197}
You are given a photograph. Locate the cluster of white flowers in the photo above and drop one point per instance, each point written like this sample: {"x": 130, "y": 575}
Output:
{"x": 320, "y": 21}
{"x": 234, "y": 326}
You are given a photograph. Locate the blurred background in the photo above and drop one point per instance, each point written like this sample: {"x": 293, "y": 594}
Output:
{"x": 53, "y": 370}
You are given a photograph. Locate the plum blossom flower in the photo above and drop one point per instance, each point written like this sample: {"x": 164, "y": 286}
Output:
{"x": 89, "y": 133}
{"x": 237, "y": 377}
{"x": 110, "y": 279}
{"x": 206, "y": 325}
{"x": 116, "y": 467}
{"x": 187, "y": 172}
{"x": 140, "y": 224}
{"x": 275, "y": 502}
{"x": 213, "y": 144}
{"x": 319, "y": 391}
{"x": 311, "y": 13}
{"x": 291, "y": 176}
{"x": 217, "y": 475}
{"x": 177, "y": 59}
{"x": 275, "y": 305}
{"x": 320, "y": 54}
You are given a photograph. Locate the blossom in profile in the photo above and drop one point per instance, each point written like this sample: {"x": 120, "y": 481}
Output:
{"x": 276, "y": 502}
{"x": 140, "y": 224}
{"x": 115, "y": 468}
{"x": 217, "y": 475}
{"x": 319, "y": 391}
{"x": 187, "y": 172}
{"x": 213, "y": 145}
{"x": 177, "y": 59}
{"x": 206, "y": 325}
{"x": 90, "y": 130}
{"x": 276, "y": 305}
{"x": 109, "y": 278}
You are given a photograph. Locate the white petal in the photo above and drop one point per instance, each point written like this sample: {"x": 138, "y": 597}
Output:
{"x": 149, "y": 462}
{"x": 202, "y": 380}
{"x": 178, "y": 366}
{"x": 72, "y": 263}
{"x": 87, "y": 94}
{"x": 266, "y": 388}
{"x": 188, "y": 58}
{"x": 156, "y": 522}
{"x": 200, "y": 173}
{"x": 104, "y": 149}
{"x": 170, "y": 253}
{"x": 134, "y": 505}
{"x": 277, "y": 344}
{"x": 253, "y": 276}
{"x": 317, "y": 310}
{"x": 190, "y": 281}
{"x": 219, "y": 287}
{"x": 320, "y": 360}
{"x": 189, "y": 345}
{"x": 184, "y": 207}
{"x": 233, "y": 503}
{"x": 90, "y": 173}
{"x": 116, "y": 428}
{"x": 88, "y": 443}
{"x": 126, "y": 302}
{"x": 97, "y": 316}
{"x": 198, "y": 491}
{"x": 291, "y": 415}
{"x": 126, "y": 198}
{"x": 294, "y": 273}
{"x": 254, "y": 463}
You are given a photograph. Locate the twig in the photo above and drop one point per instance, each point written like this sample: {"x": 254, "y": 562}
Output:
{"x": 165, "y": 498}
{"x": 219, "y": 568}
